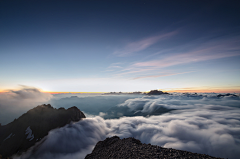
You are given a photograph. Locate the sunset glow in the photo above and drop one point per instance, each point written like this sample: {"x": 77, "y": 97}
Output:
{"x": 62, "y": 51}
{"x": 79, "y": 76}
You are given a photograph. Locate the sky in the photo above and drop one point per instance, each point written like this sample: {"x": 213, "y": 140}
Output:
{"x": 103, "y": 46}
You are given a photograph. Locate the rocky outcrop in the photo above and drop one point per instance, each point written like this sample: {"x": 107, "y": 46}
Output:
{"x": 19, "y": 135}
{"x": 156, "y": 92}
{"x": 228, "y": 94}
{"x": 116, "y": 148}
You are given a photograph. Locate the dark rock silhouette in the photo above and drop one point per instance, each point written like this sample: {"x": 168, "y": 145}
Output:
{"x": 228, "y": 94}
{"x": 19, "y": 135}
{"x": 115, "y": 148}
{"x": 156, "y": 92}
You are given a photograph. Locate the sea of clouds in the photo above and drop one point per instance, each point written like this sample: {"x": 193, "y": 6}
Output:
{"x": 201, "y": 123}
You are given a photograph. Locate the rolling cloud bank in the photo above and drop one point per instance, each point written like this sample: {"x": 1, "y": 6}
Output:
{"x": 205, "y": 123}
{"x": 14, "y": 103}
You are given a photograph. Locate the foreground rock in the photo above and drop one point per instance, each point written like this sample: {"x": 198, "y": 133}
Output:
{"x": 115, "y": 147}
{"x": 19, "y": 135}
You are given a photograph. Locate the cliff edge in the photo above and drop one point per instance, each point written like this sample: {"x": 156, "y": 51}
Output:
{"x": 116, "y": 148}
{"x": 19, "y": 135}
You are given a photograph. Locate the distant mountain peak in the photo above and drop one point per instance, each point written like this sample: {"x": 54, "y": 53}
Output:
{"x": 156, "y": 92}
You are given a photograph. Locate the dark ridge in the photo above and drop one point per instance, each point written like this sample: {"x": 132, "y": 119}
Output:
{"x": 19, "y": 135}
{"x": 156, "y": 92}
{"x": 228, "y": 94}
{"x": 116, "y": 148}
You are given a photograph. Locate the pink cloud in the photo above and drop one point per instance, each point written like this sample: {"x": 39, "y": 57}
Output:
{"x": 142, "y": 44}
{"x": 210, "y": 50}
{"x": 208, "y": 53}
{"x": 132, "y": 71}
{"x": 162, "y": 75}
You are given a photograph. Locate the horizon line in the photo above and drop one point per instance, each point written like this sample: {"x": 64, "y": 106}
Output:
{"x": 164, "y": 90}
{"x": 186, "y": 90}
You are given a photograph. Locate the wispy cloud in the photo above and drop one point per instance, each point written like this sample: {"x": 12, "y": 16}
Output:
{"x": 142, "y": 44}
{"x": 189, "y": 57}
{"x": 114, "y": 66}
{"x": 162, "y": 75}
{"x": 133, "y": 71}
{"x": 205, "y": 51}
{"x": 180, "y": 59}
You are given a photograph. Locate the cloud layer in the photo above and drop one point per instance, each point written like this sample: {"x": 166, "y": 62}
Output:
{"x": 200, "y": 123}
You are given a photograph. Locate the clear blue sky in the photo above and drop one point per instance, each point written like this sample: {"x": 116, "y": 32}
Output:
{"x": 100, "y": 46}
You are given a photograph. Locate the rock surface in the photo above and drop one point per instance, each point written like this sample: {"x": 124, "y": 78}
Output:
{"x": 156, "y": 92}
{"x": 19, "y": 135}
{"x": 228, "y": 94}
{"x": 115, "y": 148}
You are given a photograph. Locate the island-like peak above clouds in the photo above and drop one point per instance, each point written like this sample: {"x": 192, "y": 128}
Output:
{"x": 156, "y": 92}
{"x": 31, "y": 127}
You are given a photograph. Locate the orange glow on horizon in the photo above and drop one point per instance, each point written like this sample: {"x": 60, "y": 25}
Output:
{"x": 213, "y": 90}
{"x": 180, "y": 90}
{"x": 71, "y": 92}
{"x": 172, "y": 90}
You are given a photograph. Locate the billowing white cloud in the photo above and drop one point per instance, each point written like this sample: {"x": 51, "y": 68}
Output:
{"x": 75, "y": 140}
{"x": 14, "y": 103}
{"x": 201, "y": 124}
{"x": 151, "y": 103}
{"x": 192, "y": 131}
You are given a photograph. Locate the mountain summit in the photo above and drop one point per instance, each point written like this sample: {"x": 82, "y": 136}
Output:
{"x": 117, "y": 148}
{"x": 156, "y": 92}
{"x": 19, "y": 135}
